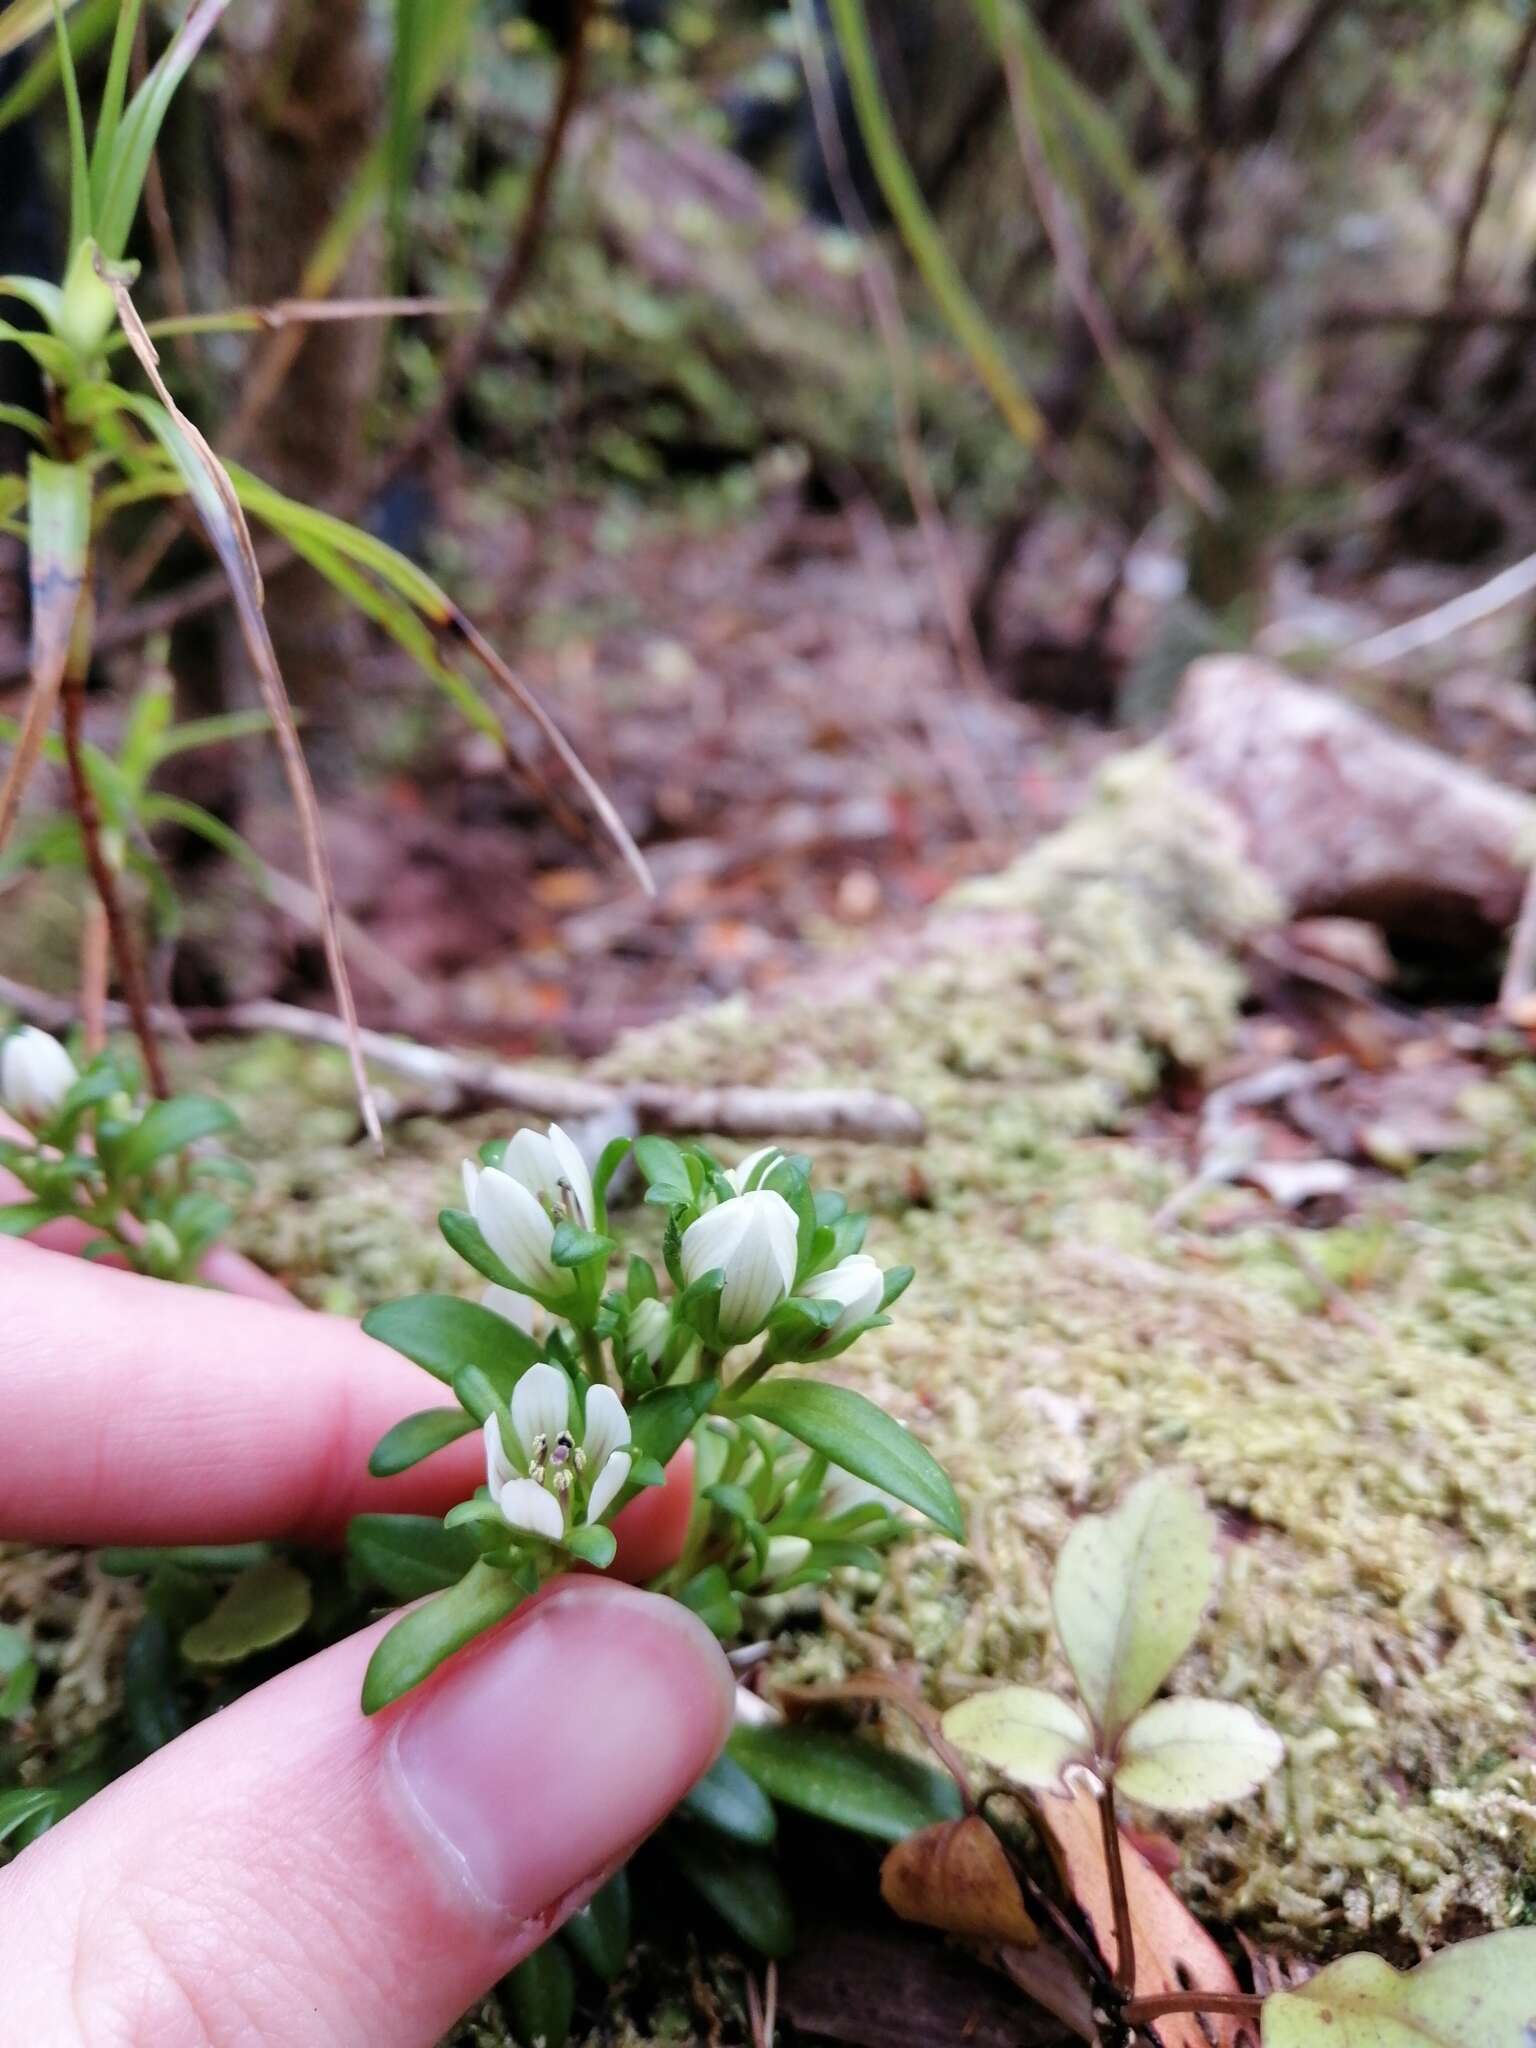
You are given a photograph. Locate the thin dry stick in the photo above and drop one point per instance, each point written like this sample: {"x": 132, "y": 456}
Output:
{"x": 1436, "y": 341}
{"x": 95, "y": 971}
{"x": 953, "y": 745}
{"x": 1519, "y": 980}
{"x": 1431, "y": 627}
{"x": 472, "y": 345}
{"x": 130, "y": 967}
{"x": 1076, "y": 272}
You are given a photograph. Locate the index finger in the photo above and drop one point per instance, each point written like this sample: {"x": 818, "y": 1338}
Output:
{"x": 139, "y": 1411}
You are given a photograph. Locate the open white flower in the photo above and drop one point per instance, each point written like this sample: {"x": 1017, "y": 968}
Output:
{"x": 753, "y": 1168}
{"x": 754, "y": 1240}
{"x": 518, "y": 1229}
{"x": 856, "y": 1284}
{"x": 537, "y": 1487}
{"x": 551, "y": 1166}
{"x": 36, "y": 1074}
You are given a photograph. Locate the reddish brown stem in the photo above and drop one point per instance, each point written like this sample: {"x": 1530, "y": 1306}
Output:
{"x": 130, "y": 967}
{"x": 1120, "y": 1900}
{"x": 1239, "y": 2005}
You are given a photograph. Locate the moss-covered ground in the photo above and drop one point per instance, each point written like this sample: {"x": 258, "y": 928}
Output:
{"x": 1376, "y": 1468}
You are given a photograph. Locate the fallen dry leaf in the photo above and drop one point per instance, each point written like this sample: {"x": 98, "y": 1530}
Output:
{"x": 956, "y": 1876}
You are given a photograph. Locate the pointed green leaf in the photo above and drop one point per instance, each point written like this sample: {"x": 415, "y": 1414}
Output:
{"x": 416, "y": 1437}
{"x": 409, "y": 1555}
{"x": 422, "y": 1639}
{"x": 863, "y": 1439}
{"x": 264, "y": 1606}
{"x": 845, "y": 1780}
{"x": 573, "y": 1245}
{"x": 1480, "y": 1994}
{"x": 442, "y": 1334}
{"x": 168, "y": 1127}
{"x": 1187, "y": 1756}
{"x": 664, "y": 1167}
{"x": 1025, "y": 1734}
{"x": 1129, "y": 1591}
{"x": 743, "y": 1887}
{"x": 659, "y": 1422}
{"x": 727, "y": 1799}
{"x": 599, "y": 1933}
{"x": 540, "y": 1996}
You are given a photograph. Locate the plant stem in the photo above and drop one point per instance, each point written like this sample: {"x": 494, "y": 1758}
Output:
{"x": 592, "y": 1357}
{"x": 129, "y": 965}
{"x": 1114, "y": 1864}
{"x": 1242, "y": 2005}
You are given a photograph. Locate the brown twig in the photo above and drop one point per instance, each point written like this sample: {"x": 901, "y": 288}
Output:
{"x": 1242, "y": 2005}
{"x": 472, "y": 345}
{"x": 130, "y": 967}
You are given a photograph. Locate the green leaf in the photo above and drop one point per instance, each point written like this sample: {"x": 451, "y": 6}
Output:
{"x": 18, "y": 1674}
{"x": 20, "y": 1219}
{"x": 468, "y": 1240}
{"x": 168, "y": 1127}
{"x": 1026, "y": 1735}
{"x": 897, "y": 1280}
{"x": 863, "y": 1439}
{"x": 23, "y": 1803}
{"x": 150, "y": 1701}
{"x": 409, "y": 1555}
{"x": 123, "y": 174}
{"x": 743, "y": 1888}
{"x": 442, "y": 1334}
{"x": 593, "y": 1544}
{"x": 420, "y": 1640}
{"x": 845, "y": 1780}
{"x": 1479, "y": 1994}
{"x": 613, "y": 1156}
{"x": 540, "y": 1996}
{"x": 664, "y": 1167}
{"x": 417, "y": 1437}
{"x": 727, "y": 1799}
{"x": 659, "y": 1422}
{"x": 264, "y": 1606}
{"x": 1129, "y": 1591}
{"x": 599, "y": 1933}
{"x": 573, "y": 1246}
{"x": 1188, "y": 1756}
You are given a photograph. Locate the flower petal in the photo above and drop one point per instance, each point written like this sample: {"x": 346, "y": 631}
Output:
{"x": 541, "y": 1404}
{"x": 712, "y": 1240}
{"x": 518, "y": 1231}
{"x": 573, "y": 1171}
{"x": 499, "y": 1471}
{"x": 786, "y": 1554}
{"x": 607, "y": 1426}
{"x": 740, "y": 1176}
{"x": 856, "y": 1284}
{"x": 521, "y": 1310}
{"x": 607, "y": 1485}
{"x": 471, "y": 1172}
{"x": 525, "y": 1505}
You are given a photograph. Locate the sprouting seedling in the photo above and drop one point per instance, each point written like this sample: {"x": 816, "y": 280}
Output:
{"x": 1128, "y": 1596}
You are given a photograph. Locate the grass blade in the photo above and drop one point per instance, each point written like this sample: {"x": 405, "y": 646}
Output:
{"x": 79, "y": 163}
{"x": 123, "y": 174}
{"x": 22, "y": 20}
{"x": 59, "y": 555}
{"x": 110, "y": 113}
{"x": 87, "y": 25}
{"x": 217, "y": 506}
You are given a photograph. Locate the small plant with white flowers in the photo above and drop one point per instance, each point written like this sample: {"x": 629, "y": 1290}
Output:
{"x": 88, "y": 1145}
{"x": 584, "y": 1386}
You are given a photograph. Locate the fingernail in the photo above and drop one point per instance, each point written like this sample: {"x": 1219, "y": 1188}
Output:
{"x": 535, "y": 1760}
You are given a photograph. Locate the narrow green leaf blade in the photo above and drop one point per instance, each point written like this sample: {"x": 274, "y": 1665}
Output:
{"x": 541, "y": 1996}
{"x": 599, "y": 1933}
{"x": 845, "y": 1780}
{"x": 731, "y": 1801}
{"x": 863, "y": 1439}
{"x": 416, "y": 1437}
{"x": 422, "y": 1639}
{"x": 744, "y": 1888}
{"x": 168, "y": 1127}
{"x": 443, "y": 1334}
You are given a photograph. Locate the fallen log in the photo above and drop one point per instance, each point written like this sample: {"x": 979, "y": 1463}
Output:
{"x": 1346, "y": 817}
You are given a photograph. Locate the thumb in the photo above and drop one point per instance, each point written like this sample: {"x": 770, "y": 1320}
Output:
{"x": 290, "y": 1873}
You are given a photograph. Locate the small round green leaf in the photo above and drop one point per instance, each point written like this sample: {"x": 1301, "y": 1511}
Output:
{"x": 863, "y": 1439}
{"x": 1187, "y": 1756}
{"x": 265, "y": 1605}
{"x": 1129, "y": 1591}
{"x": 1027, "y": 1735}
{"x": 417, "y": 1437}
{"x": 1479, "y": 1994}
{"x": 420, "y": 1640}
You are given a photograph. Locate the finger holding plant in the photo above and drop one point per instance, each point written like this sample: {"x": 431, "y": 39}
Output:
{"x": 583, "y": 1392}
{"x": 135, "y": 1173}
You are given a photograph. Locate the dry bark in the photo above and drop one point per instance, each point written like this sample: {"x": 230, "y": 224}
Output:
{"x": 1346, "y": 817}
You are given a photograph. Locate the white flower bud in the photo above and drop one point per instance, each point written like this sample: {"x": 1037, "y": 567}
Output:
{"x": 552, "y": 1168}
{"x": 785, "y": 1556}
{"x": 754, "y": 1168}
{"x": 648, "y": 1328}
{"x": 518, "y": 1229}
{"x": 856, "y": 1284}
{"x": 753, "y": 1239}
{"x": 36, "y": 1074}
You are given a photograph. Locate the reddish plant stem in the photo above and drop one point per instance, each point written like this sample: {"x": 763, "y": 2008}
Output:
{"x": 1119, "y": 1897}
{"x": 130, "y": 966}
{"x": 1240, "y": 2005}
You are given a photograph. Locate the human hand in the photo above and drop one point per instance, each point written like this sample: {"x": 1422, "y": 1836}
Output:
{"x": 289, "y": 1872}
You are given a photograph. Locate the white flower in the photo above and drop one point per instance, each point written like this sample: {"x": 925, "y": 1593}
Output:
{"x": 754, "y": 1240}
{"x": 741, "y": 1177}
{"x": 856, "y": 1284}
{"x": 518, "y": 1229}
{"x": 785, "y": 1556}
{"x": 648, "y": 1328}
{"x": 521, "y": 1310}
{"x": 556, "y": 1463}
{"x": 36, "y": 1074}
{"x": 552, "y": 1168}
